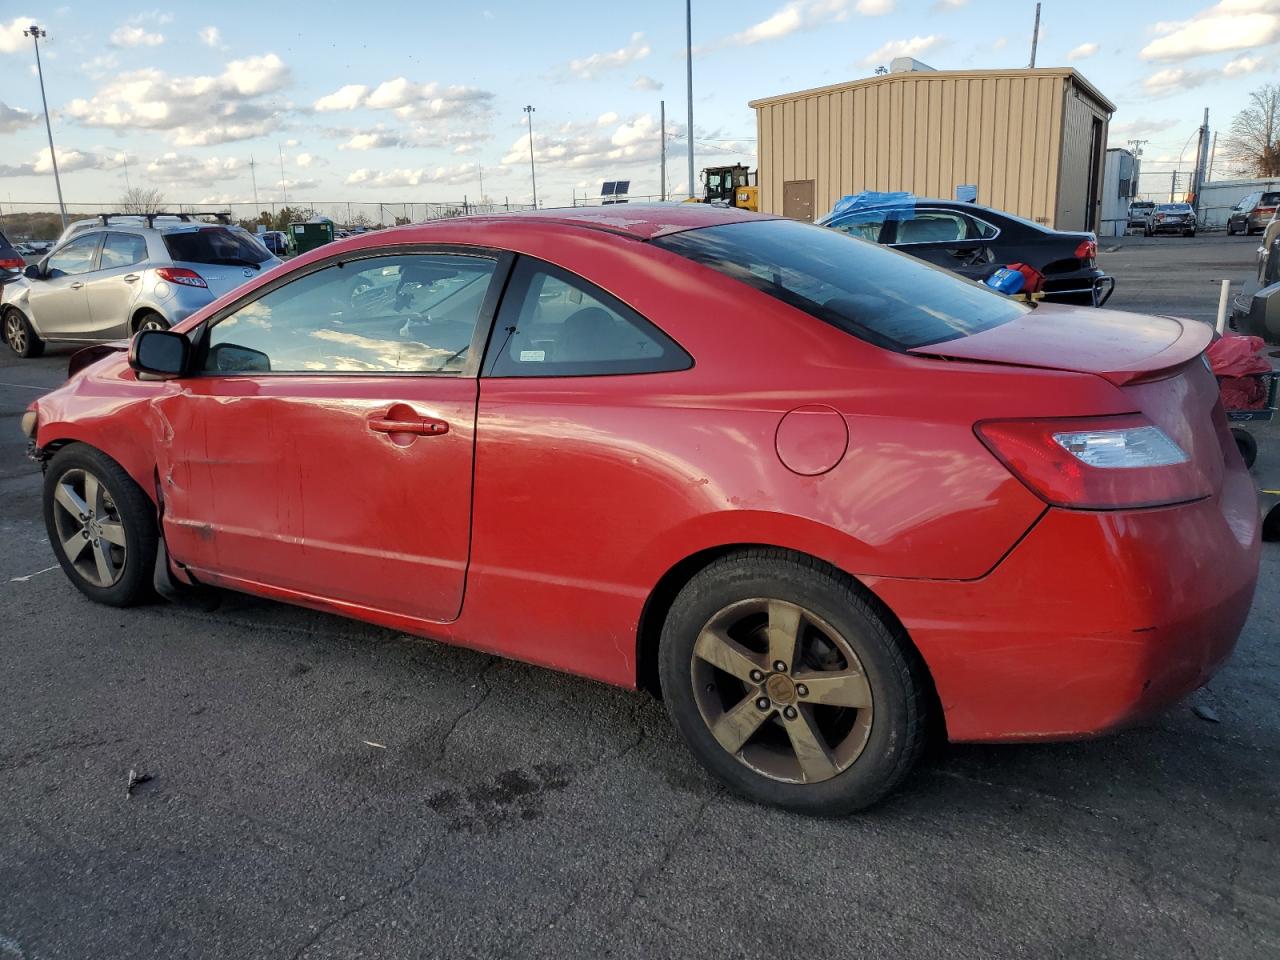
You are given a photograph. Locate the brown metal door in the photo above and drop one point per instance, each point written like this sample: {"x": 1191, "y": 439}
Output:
{"x": 797, "y": 199}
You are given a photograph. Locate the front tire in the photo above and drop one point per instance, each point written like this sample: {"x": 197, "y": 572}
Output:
{"x": 101, "y": 525}
{"x": 773, "y": 667}
{"x": 20, "y": 335}
{"x": 1247, "y": 446}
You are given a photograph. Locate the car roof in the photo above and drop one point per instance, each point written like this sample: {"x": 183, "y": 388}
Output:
{"x": 643, "y": 221}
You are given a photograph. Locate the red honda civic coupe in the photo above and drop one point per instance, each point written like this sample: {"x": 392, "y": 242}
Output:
{"x": 820, "y": 496}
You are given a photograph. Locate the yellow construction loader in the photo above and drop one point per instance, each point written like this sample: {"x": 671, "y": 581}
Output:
{"x": 733, "y": 186}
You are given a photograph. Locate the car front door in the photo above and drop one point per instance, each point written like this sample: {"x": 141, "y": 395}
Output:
{"x": 58, "y": 301}
{"x": 113, "y": 287}
{"x": 324, "y": 446}
{"x": 946, "y": 238}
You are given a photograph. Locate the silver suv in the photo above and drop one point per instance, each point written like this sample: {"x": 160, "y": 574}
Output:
{"x": 109, "y": 277}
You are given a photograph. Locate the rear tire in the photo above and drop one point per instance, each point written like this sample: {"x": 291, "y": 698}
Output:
{"x": 150, "y": 320}
{"x": 772, "y": 667}
{"x": 1246, "y": 444}
{"x": 1271, "y": 525}
{"x": 20, "y": 335}
{"x": 101, "y": 525}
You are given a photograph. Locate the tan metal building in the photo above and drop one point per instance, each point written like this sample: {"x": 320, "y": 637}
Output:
{"x": 1032, "y": 141}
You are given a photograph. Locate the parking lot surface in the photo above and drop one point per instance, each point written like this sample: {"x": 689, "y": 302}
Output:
{"x": 324, "y": 789}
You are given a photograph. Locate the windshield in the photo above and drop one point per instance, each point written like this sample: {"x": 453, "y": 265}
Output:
{"x": 215, "y": 245}
{"x": 877, "y": 294}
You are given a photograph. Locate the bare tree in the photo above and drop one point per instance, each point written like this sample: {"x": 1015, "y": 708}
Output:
{"x": 142, "y": 200}
{"x": 1254, "y": 142}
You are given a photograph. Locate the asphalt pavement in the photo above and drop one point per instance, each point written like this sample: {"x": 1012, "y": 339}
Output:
{"x": 324, "y": 789}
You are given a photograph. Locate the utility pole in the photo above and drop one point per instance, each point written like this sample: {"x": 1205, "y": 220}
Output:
{"x": 283, "y": 189}
{"x": 1213, "y": 152}
{"x": 1035, "y": 38}
{"x": 35, "y": 33}
{"x": 533, "y": 171}
{"x": 124, "y": 158}
{"x": 688, "y": 37}
{"x": 662, "y": 176}
{"x": 480, "y": 171}
{"x": 1202, "y": 160}
{"x": 253, "y": 176}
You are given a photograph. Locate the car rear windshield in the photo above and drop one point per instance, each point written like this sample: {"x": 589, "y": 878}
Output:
{"x": 877, "y": 294}
{"x": 1173, "y": 208}
{"x": 1269, "y": 200}
{"x": 214, "y": 245}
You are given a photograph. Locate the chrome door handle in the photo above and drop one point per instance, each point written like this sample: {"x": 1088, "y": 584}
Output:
{"x": 130, "y": 277}
{"x": 77, "y": 285}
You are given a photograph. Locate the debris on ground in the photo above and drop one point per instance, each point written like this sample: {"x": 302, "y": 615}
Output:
{"x": 1206, "y": 713}
{"x": 135, "y": 779}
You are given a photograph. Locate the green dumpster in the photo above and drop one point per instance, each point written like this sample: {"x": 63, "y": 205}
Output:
{"x": 308, "y": 236}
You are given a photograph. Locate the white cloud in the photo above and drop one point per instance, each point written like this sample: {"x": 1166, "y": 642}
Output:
{"x": 802, "y": 15}
{"x": 1173, "y": 79}
{"x": 606, "y": 118}
{"x": 462, "y": 173}
{"x": 1225, "y": 26}
{"x": 178, "y": 168}
{"x": 305, "y": 160}
{"x": 15, "y": 118}
{"x": 11, "y": 38}
{"x": 410, "y": 100}
{"x": 644, "y": 82}
{"x": 1082, "y": 51}
{"x": 132, "y": 35}
{"x": 587, "y": 68}
{"x": 200, "y": 110}
{"x": 941, "y": 5}
{"x": 901, "y": 48}
{"x": 71, "y": 160}
{"x": 344, "y": 98}
{"x": 373, "y": 140}
{"x": 210, "y": 36}
{"x": 1139, "y": 127}
{"x": 999, "y": 43}
{"x": 1241, "y": 65}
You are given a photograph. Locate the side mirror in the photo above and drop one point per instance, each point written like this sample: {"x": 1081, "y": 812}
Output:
{"x": 33, "y": 272}
{"x": 161, "y": 353}
{"x": 232, "y": 358}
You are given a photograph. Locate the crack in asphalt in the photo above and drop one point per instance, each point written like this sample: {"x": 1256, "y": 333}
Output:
{"x": 483, "y": 676}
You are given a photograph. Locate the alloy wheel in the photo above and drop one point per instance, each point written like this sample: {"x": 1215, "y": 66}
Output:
{"x": 89, "y": 527}
{"x": 15, "y": 333}
{"x": 153, "y": 323}
{"x": 781, "y": 690}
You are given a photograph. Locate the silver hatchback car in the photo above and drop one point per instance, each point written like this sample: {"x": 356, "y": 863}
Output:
{"x": 110, "y": 277}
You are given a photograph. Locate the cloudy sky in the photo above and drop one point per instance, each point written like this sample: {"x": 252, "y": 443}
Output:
{"x": 417, "y": 101}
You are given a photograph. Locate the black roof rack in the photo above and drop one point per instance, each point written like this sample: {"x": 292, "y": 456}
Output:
{"x": 222, "y": 215}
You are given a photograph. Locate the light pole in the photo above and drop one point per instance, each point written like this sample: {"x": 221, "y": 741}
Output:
{"x": 533, "y": 172}
{"x": 35, "y": 33}
{"x": 688, "y": 36}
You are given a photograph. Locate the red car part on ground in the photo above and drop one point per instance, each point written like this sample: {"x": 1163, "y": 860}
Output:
{"x": 556, "y": 519}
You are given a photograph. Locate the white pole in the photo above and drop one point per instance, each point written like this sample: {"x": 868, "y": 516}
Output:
{"x": 688, "y": 36}
{"x": 35, "y": 33}
{"x": 1222, "y": 306}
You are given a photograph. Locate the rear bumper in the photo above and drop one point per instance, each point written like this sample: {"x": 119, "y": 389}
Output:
{"x": 1173, "y": 227}
{"x": 1094, "y": 621}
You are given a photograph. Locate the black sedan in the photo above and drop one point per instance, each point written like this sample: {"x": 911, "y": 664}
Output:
{"x": 975, "y": 241}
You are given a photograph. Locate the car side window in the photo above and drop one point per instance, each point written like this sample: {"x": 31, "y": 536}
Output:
{"x": 122, "y": 250}
{"x": 402, "y": 313}
{"x": 932, "y": 226}
{"x": 553, "y": 323}
{"x": 74, "y": 258}
{"x": 981, "y": 230}
{"x": 865, "y": 225}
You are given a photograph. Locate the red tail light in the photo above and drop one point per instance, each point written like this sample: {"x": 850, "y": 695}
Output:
{"x": 1096, "y": 463}
{"x": 1264, "y": 211}
{"x": 181, "y": 276}
{"x": 1087, "y": 250}
{"x": 1159, "y": 216}
{"x": 12, "y": 263}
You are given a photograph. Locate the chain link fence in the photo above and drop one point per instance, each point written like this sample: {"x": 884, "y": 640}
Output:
{"x": 42, "y": 221}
